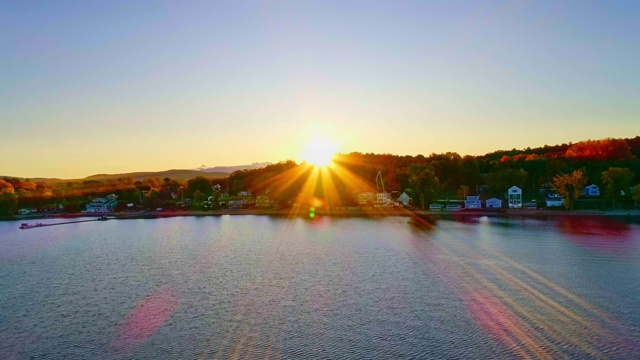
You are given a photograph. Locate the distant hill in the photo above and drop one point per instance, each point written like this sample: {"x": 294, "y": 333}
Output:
{"x": 46, "y": 180}
{"x": 172, "y": 174}
{"x": 230, "y": 169}
{"x": 176, "y": 174}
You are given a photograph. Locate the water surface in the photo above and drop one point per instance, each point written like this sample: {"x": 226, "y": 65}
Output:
{"x": 257, "y": 286}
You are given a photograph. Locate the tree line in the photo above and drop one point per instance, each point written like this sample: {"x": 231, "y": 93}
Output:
{"x": 611, "y": 164}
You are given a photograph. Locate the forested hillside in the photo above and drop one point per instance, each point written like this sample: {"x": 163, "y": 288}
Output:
{"x": 611, "y": 164}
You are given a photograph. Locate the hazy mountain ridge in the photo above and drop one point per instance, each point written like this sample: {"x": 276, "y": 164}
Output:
{"x": 177, "y": 174}
{"x": 172, "y": 174}
{"x": 230, "y": 169}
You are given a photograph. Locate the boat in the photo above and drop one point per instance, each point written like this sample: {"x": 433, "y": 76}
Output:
{"x": 30, "y": 226}
{"x": 103, "y": 218}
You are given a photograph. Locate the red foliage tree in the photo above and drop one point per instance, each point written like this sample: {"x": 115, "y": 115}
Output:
{"x": 600, "y": 150}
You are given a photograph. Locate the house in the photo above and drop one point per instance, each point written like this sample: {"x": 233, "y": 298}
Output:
{"x": 435, "y": 207}
{"x": 473, "y": 202}
{"x": 365, "y": 198}
{"x": 244, "y": 193}
{"x": 105, "y": 204}
{"x": 404, "y": 199}
{"x": 554, "y": 200}
{"x": 383, "y": 199}
{"x": 494, "y": 203}
{"x": 26, "y": 211}
{"x": 591, "y": 190}
{"x": 262, "y": 201}
{"x": 237, "y": 204}
{"x": 514, "y": 197}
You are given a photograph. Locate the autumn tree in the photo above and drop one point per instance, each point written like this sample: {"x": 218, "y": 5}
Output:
{"x": 604, "y": 149}
{"x": 616, "y": 180}
{"x": 570, "y": 186}
{"x": 6, "y": 187}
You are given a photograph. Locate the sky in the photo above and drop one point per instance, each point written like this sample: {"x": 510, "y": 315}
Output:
{"x": 89, "y": 87}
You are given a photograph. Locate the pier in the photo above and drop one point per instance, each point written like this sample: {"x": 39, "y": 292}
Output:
{"x": 25, "y": 226}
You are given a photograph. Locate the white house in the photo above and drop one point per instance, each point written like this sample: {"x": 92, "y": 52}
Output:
{"x": 105, "y": 204}
{"x": 435, "y": 207}
{"x": 473, "y": 202}
{"x": 554, "y": 200}
{"x": 404, "y": 199}
{"x": 514, "y": 197}
{"x": 591, "y": 190}
{"x": 494, "y": 203}
{"x": 383, "y": 199}
{"x": 262, "y": 201}
{"x": 244, "y": 193}
{"x": 365, "y": 198}
{"x": 237, "y": 204}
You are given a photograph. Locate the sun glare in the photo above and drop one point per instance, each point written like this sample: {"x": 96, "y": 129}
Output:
{"x": 319, "y": 152}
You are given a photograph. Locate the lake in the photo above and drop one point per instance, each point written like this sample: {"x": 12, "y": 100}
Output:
{"x": 340, "y": 288}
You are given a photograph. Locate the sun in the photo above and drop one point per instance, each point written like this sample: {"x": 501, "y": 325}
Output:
{"x": 319, "y": 152}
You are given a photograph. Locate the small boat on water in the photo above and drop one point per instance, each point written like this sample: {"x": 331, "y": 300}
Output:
{"x": 30, "y": 226}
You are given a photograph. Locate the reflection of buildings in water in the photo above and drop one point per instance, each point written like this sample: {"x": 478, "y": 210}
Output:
{"x": 598, "y": 233}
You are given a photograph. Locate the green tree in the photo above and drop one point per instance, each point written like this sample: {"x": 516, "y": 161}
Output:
{"x": 201, "y": 184}
{"x": 152, "y": 199}
{"x": 470, "y": 169}
{"x": 570, "y": 186}
{"x": 616, "y": 180}
{"x": 215, "y": 198}
{"x": 8, "y": 204}
{"x": 198, "y": 197}
{"x": 424, "y": 182}
{"x": 636, "y": 194}
{"x": 500, "y": 181}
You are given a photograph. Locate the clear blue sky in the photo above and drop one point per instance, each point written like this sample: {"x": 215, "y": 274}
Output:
{"x": 116, "y": 86}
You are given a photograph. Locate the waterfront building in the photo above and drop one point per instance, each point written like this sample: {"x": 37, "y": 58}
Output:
{"x": 105, "y": 204}
{"x": 365, "y": 198}
{"x": 514, "y": 197}
{"x": 591, "y": 190}
{"x": 404, "y": 199}
{"x": 262, "y": 201}
{"x": 473, "y": 202}
{"x": 383, "y": 199}
{"x": 494, "y": 203}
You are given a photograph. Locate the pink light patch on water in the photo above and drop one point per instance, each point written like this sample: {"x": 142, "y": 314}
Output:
{"x": 146, "y": 318}
{"x": 600, "y": 234}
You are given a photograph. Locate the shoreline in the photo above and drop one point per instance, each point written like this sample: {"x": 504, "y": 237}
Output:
{"x": 342, "y": 213}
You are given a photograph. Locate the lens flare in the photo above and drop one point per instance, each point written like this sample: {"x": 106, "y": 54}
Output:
{"x": 319, "y": 152}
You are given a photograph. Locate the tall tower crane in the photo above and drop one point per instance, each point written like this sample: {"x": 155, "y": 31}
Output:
{"x": 382, "y": 198}
{"x": 380, "y": 182}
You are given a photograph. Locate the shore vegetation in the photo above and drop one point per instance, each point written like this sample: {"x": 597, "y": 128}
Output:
{"x": 611, "y": 164}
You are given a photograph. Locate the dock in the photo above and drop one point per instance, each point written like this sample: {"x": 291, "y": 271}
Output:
{"x": 25, "y": 226}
